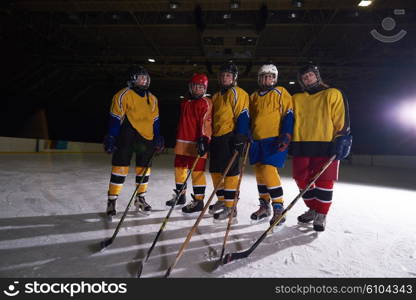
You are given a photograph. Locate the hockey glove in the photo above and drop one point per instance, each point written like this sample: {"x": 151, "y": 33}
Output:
{"x": 238, "y": 142}
{"x": 341, "y": 146}
{"x": 202, "y": 145}
{"x": 110, "y": 144}
{"x": 283, "y": 142}
{"x": 158, "y": 143}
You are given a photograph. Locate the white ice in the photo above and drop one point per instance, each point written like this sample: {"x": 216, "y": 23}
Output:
{"x": 51, "y": 225}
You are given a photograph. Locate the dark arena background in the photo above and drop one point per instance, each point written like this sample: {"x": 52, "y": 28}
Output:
{"x": 62, "y": 61}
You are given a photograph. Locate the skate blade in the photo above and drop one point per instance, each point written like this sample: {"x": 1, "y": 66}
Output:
{"x": 224, "y": 221}
{"x": 178, "y": 206}
{"x": 318, "y": 229}
{"x": 305, "y": 223}
{"x": 277, "y": 228}
{"x": 143, "y": 213}
{"x": 255, "y": 222}
{"x": 109, "y": 218}
{"x": 213, "y": 212}
{"x": 191, "y": 215}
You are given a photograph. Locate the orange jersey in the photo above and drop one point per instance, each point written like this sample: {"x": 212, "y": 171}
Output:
{"x": 195, "y": 121}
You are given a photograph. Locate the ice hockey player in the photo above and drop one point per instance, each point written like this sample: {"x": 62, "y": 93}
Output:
{"x": 271, "y": 113}
{"x": 192, "y": 138}
{"x": 230, "y": 119}
{"x": 322, "y": 129}
{"x": 133, "y": 128}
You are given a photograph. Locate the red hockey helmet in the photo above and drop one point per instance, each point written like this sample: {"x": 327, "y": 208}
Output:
{"x": 198, "y": 80}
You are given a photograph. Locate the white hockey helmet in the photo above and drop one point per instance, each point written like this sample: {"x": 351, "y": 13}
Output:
{"x": 267, "y": 69}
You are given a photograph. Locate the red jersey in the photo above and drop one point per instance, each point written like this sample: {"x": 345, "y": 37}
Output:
{"x": 195, "y": 121}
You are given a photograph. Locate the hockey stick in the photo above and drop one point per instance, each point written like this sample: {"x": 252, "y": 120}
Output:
{"x": 185, "y": 243}
{"x": 104, "y": 244}
{"x": 236, "y": 198}
{"x": 180, "y": 192}
{"x": 243, "y": 254}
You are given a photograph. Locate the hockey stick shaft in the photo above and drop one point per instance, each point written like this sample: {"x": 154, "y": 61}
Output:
{"x": 194, "y": 227}
{"x": 238, "y": 255}
{"x": 180, "y": 192}
{"x": 236, "y": 198}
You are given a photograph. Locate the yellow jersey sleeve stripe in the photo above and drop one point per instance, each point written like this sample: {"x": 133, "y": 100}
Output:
{"x": 277, "y": 91}
{"x": 120, "y": 99}
{"x": 235, "y": 97}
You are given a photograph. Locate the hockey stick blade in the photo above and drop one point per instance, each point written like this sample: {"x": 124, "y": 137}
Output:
{"x": 104, "y": 244}
{"x": 238, "y": 255}
{"x": 167, "y": 272}
{"x": 229, "y": 257}
{"x": 139, "y": 269}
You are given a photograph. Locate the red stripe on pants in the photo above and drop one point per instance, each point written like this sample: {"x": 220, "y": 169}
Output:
{"x": 321, "y": 207}
{"x": 305, "y": 168}
{"x": 184, "y": 161}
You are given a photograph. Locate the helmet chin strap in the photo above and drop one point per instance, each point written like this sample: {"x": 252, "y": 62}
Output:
{"x": 264, "y": 88}
{"x": 315, "y": 87}
{"x": 195, "y": 97}
{"x": 225, "y": 88}
{"x": 139, "y": 90}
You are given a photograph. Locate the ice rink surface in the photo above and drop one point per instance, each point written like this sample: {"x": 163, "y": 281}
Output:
{"x": 51, "y": 225}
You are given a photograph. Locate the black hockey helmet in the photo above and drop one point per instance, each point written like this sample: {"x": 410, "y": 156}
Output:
{"x": 228, "y": 67}
{"x": 309, "y": 67}
{"x": 133, "y": 73}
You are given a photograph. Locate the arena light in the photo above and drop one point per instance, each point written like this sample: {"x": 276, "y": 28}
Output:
{"x": 365, "y": 3}
{"x": 115, "y": 16}
{"x": 152, "y": 60}
{"x": 297, "y": 3}
{"x": 291, "y": 82}
{"x": 407, "y": 113}
{"x": 173, "y": 5}
{"x": 234, "y": 4}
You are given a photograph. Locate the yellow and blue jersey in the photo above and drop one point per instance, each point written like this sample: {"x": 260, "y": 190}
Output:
{"x": 267, "y": 111}
{"x": 320, "y": 117}
{"x": 271, "y": 116}
{"x": 141, "y": 111}
{"x": 230, "y": 112}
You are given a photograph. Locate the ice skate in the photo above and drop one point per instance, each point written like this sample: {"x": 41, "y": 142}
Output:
{"x": 277, "y": 213}
{"x": 319, "y": 222}
{"x": 193, "y": 208}
{"x": 222, "y": 216}
{"x": 181, "y": 201}
{"x": 262, "y": 214}
{"x": 111, "y": 209}
{"x": 216, "y": 207}
{"x": 141, "y": 205}
{"x": 307, "y": 216}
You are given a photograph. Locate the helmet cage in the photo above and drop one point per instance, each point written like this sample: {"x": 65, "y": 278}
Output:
{"x": 228, "y": 68}
{"x": 306, "y": 69}
{"x": 198, "y": 80}
{"x": 266, "y": 70}
{"x": 134, "y": 75}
